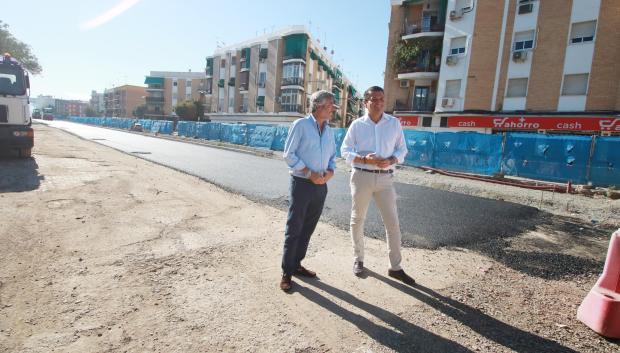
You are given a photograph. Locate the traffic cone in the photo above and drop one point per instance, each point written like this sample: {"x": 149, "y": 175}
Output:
{"x": 600, "y": 310}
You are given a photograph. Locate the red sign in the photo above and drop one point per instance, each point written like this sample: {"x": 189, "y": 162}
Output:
{"x": 566, "y": 123}
{"x": 408, "y": 120}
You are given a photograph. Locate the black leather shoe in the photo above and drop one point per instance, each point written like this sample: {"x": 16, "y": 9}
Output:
{"x": 358, "y": 268}
{"x": 304, "y": 272}
{"x": 401, "y": 276}
{"x": 286, "y": 283}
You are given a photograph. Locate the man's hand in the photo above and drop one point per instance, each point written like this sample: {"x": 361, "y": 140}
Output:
{"x": 317, "y": 178}
{"x": 328, "y": 175}
{"x": 378, "y": 161}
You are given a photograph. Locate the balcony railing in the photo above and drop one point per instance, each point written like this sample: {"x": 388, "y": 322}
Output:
{"x": 415, "y": 67}
{"x": 292, "y": 108}
{"x": 422, "y": 26}
{"x": 425, "y": 105}
{"x": 155, "y": 100}
{"x": 293, "y": 81}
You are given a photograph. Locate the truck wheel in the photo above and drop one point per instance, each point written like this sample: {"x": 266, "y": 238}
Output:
{"x": 25, "y": 152}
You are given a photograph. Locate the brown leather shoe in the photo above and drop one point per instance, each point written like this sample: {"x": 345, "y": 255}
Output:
{"x": 286, "y": 283}
{"x": 304, "y": 272}
{"x": 401, "y": 276}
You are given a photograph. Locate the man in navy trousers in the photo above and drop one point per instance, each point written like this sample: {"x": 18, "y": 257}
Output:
{"x": 309, "y": 152}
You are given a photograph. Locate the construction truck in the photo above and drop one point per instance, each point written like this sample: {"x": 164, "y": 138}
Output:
{"x": 16, "y": 132}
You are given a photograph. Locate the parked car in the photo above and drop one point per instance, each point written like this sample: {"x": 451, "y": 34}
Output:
{"x": 48, "y": 116}
{"x": 136, "y": 127}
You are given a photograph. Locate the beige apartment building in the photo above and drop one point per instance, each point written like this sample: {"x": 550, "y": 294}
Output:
{"x": 166, "y": 89}
{"x": 270, "y": 79}
{"x": 122, "y": 100}
{"x": 497, "y": 65}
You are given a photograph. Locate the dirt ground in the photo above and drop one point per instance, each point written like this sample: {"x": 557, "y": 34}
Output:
{"x": 105, "y": 252}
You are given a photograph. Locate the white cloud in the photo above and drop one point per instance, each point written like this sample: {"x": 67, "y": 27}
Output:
{"x": 105, "y": 17}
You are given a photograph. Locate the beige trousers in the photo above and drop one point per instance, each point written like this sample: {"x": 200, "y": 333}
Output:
{"x": 364, "y": 187}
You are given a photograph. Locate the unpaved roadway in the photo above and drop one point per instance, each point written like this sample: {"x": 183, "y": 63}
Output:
{"x": 106, "y": 252}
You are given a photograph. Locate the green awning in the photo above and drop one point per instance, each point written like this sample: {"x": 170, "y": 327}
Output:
{"x": 263, "y": 53}
{"x": 209, "y": 62}
{"x": 151, "y": 80}
{"x": 352, "y": 90}
{"x": 313, "y": 55}
{"x": 260, "y": 101}
{"x": 336, "y": 93}
{"x": 245, "y": 53}
{"x": 220, "y": 83}
{"x": 295, "y": 46}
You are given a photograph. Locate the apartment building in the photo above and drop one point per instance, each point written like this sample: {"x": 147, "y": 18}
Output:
{"x": 66, "y": 107}
{"x": 270, "y": 79}
{"x": 166, "y": 89}
{"x": 497, "y": 65}
{"x": 97, "y": 102}
{"x": 122, "y": 100}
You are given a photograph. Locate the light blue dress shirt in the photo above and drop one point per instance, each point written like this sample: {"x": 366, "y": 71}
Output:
{"x": 384, "y": 138}
{"x": 306, "y": 146}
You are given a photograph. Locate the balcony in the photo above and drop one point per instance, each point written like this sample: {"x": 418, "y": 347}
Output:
{"x": 292, "y": 108}
{"x": 293, "y": 81}
{"x": 426, "y": 27}
{"x": 417, "y": 72}
{"x": 154, "y": 100}
{"x": 419, "y": 104}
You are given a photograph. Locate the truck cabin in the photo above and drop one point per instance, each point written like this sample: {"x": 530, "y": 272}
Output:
{"x": 13, "y": 79}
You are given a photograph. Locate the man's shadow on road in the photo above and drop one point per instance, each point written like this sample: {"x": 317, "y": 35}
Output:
{"x": 405, "y": 336}
{"x": 402, "y": 337}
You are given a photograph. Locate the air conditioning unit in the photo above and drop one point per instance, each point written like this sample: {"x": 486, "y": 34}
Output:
{"x": 404, "y": 83}
{"x": 526, "y": 8}
{"x": 519, "y": 56}
{"x": 452, "y": 60}
{"x": 447, "y": 102}
{"x": 456, "y": 14}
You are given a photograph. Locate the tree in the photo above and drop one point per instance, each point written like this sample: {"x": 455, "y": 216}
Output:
{"x": 186, "y": 110}
{"x": 139, "y": 111}
{"x": 200, "y": 110}
{"x": 18, "y": 50}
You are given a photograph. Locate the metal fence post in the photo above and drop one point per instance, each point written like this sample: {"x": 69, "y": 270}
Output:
{"x": 589, "y": 165}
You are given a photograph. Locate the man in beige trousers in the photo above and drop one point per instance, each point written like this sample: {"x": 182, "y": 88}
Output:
{"x": 373, "y": 145}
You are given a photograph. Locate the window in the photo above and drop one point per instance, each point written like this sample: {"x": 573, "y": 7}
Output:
{"x": 293, "y": 74}
{"x": 525, "y": 6}
{"x": 262, "y": 78}
{"x": 291, "y": 100}
{"x": 174, "y": 83}
{"x": 231, "y": 99}
{"x": 188, "y": 83}
{"x": 427, "y": 121}
{"x": 517, "y": 87}
{"x": 524, "y": 40}
{"x": 582, "y": 32}
{"x": 453, "y": 89}
{"x": 244, "y": 103}
{"x": 575, "y": 85}
{"x": 223, "y": 63}
{"x": 457, "y": 45}
{"x": 233, "y": 60}
{"x": 443, "y": 122}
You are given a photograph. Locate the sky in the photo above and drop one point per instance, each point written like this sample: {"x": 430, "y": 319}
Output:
{"x": 86, "y": 45}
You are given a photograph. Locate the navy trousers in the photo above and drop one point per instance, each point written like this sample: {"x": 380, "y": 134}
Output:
{"x": 306, "y": 206}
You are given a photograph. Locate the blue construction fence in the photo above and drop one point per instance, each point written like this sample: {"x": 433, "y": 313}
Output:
{"x": 558, "y": 158}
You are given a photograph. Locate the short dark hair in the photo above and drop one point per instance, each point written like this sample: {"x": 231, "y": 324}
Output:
{"x": 370, "y": 91}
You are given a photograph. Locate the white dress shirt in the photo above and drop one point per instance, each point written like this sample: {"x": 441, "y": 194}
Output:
{"x": 385, "y": 139}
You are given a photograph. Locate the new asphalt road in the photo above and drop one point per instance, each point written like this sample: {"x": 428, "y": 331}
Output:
{"x": 429, "y": 217}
